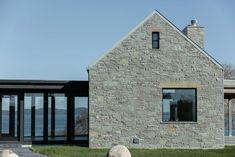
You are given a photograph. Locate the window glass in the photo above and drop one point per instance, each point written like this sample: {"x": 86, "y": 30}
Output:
{"x": 33, "y": 116}
{"x": 179, "y": 105}
{"x": 155, "y": 40}
{"x": 155, "y": 36}
{"x": 226, "y": 121}
{"x": 57, "y": 117}
{"x": 155, "y": 43}
{"x": 81, "y": 118}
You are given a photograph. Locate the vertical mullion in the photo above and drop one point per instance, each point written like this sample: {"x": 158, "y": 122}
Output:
{"x": 33, "y": 115}
{"x": 21, "y": 117}
{"x": 12, "y": 116}
{"x": 70, "y": 114}
{"x": 45, "y": 116}
{"x": 53, "y": 116}
{"x": 18, "y": 118}
{"x": 0, "y": 115}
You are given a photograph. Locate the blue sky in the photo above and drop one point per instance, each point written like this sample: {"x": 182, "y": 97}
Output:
{"x": 58, "y": 39}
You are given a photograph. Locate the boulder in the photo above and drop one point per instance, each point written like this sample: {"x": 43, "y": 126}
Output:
{"x": 8, "y": 153}
{"x": 119, "y": 151}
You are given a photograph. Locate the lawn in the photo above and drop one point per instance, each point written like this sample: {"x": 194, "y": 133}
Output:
{"x": 74, "y": 151}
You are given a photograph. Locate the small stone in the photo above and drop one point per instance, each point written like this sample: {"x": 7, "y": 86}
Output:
{"x": 8, "y": 153}
{"x": 119, "y": 151}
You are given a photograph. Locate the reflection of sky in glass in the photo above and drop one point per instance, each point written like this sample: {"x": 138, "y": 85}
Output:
{"x": 60, "y": 101}
{"x": 39, "y": 102}
{"x": 6, "y": 101}
{"x": 173, "y": 96}
{"x": 27, "y": 102}
{"x": 5, "y": 104}
{"x": 81, "y": 102}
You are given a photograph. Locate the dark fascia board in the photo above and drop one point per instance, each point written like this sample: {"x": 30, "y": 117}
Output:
{"x": 44, "y": 84}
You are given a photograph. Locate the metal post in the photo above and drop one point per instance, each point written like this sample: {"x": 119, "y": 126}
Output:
{"x": 230, "y": 120}
{"x": 33, "y": 116}
{"x": 21, "y": 117}
{"x": 45, "y": 117}
{"x": 53, "y": 116}
{"x": 12, "y": 116}
{"x": 0, "y": 115}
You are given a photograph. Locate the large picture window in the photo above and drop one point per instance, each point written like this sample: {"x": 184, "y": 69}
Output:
{"x": 179, "y": 105}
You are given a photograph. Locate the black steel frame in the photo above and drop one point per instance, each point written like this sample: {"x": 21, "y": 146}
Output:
{"x": 69, "y": 88}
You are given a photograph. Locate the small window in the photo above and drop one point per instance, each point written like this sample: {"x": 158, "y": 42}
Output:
{"x": 179, "y": 105}
{"x": 155, "y": 40}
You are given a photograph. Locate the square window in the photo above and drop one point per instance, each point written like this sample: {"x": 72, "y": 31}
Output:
{"x": 179, "y": 105}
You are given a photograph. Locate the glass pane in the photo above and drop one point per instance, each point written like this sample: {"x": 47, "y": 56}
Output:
{"x": 5, "y": 114}
{"x": 226, "y": 122}
{"x": 179, "y": 105}
{"x": 155, "y": 36}
{"x": 9, "y": 115}
{"x": 49, "y": 116}
{"x": 33, "y": 116}
{"x": 16, "y": 113}
{"x": 81, "y": 118}
{"x": 233, "y": 118}
{"x": 27, "y": 115}
{"x": 61, "y": 115}
{"x": 39, "y": 115}
{"x": 57, "y": 117}
{"x": 155, "y": 44}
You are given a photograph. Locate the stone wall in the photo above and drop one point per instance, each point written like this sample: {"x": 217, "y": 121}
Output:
{"x": 125, "y": 92}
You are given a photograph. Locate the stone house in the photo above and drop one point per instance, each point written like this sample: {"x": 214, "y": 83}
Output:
{"x": 157, "y": 88}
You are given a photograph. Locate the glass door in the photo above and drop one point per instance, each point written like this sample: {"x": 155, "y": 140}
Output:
{"x": 8, "y": 116}
{"x": 233, "y": 119}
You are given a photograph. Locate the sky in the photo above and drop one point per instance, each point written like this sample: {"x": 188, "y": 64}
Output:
{"x": 58, "y": 39}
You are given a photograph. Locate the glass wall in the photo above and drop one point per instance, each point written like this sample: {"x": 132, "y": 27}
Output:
{"x": 33, "y": 116}
{"x": 57, "y": 117}
{"x": 81, "y": 118}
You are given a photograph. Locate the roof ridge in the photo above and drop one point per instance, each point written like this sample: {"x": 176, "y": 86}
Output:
{"x": 168, "y": 22}
{"x": 190, "y": 40}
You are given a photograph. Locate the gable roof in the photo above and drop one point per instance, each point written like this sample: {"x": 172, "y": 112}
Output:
{"x": 155, "y": 12}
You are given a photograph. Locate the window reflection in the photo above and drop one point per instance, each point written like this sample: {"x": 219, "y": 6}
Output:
{"x": 9, "y": 115}
{"x": 81, "y": 118}
{"x": 33, "y": 116}
{"x": 57, "y": 117}
{"x": 179, "y": 105}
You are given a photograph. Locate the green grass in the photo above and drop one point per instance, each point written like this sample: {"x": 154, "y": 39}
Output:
{"x": 74, "y": 151}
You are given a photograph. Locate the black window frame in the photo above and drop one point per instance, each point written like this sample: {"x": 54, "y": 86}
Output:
{"x": 155, "y": 40}
{"x": 193, "y": 121}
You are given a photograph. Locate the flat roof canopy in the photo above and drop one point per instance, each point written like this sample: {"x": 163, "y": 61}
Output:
{"x": 44, "y": 86}
{"x": 229, "y": 89}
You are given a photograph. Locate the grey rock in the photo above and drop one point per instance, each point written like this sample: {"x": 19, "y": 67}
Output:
{"x": 119, "y": 151}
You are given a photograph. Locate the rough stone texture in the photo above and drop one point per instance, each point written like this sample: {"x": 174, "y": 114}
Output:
{"x": 196, "y": 34}
{"x": 119, "y": 151}
{"x": 125, "y": 96}
{"x": 8, "y": 153}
